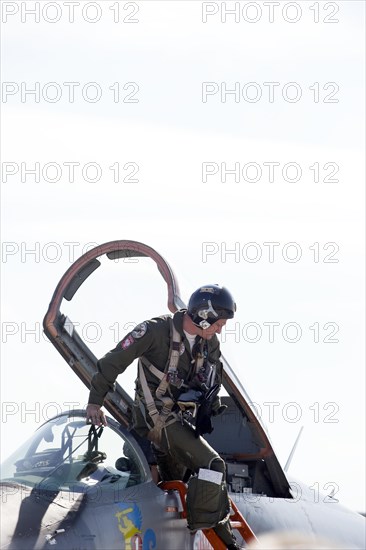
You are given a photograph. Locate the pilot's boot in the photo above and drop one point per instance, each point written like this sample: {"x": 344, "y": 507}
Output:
{"x": 225, "y": 532}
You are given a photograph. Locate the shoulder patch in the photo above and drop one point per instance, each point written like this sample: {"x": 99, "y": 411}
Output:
{"x": 126, "y": 342}
{"x": 140, "y": 330}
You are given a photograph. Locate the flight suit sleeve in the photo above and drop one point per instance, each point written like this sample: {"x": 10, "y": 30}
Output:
{"x": 134, "y": 344}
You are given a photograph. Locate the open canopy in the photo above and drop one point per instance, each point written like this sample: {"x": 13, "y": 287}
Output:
{"x": 238, "y": 434}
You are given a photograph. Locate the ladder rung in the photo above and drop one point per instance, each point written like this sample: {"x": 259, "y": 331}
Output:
{"x": 237, "y": 524}
{"x": 241, "y": 526}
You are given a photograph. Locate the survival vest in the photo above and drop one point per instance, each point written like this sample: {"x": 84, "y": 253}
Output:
{"x": 165, "y": 416}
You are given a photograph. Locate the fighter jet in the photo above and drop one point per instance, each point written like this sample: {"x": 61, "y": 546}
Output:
{"x": 75, "y": 486}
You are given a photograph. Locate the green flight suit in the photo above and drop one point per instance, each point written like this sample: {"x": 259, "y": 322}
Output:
{"x": 151, "y": 340}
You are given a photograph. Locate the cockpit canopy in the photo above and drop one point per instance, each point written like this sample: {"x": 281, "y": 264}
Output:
{"x": 66, "y": 454}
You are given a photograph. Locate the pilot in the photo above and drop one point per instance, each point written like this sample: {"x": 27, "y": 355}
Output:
{"x": 179, "y": 363}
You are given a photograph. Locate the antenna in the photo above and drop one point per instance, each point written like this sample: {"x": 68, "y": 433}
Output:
{"x": 293, "y": 450}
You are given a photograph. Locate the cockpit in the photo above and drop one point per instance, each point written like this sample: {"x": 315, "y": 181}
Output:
{"x": 66, "y": 454}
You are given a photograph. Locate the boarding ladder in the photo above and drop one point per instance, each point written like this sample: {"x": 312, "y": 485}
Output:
{"x": 237, "y": 521}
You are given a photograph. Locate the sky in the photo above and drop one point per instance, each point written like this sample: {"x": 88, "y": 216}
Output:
{"x": 233, "y": 144}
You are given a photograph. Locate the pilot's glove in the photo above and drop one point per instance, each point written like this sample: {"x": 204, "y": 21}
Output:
{"x": 203, "y": 420}
{"x": 95, "y": 415}
{"x": 219, "y": 410}
{"x": 218, "y": 407}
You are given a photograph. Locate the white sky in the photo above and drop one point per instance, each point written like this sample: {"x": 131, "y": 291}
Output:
{"x": 168, "y": 134}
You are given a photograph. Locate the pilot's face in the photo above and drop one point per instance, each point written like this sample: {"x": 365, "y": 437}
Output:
{"x": 208, "y": 333}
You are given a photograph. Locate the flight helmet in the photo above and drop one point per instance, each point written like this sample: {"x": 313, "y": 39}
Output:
{"x": 210, "y": 303}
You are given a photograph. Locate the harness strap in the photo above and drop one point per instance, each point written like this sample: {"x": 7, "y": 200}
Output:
{"x": 171, "y": 369}
{"x": 199, "y": 361}
{"x": 175, "y": 347}
{"x": 156, "y": 372}
{"x": 149, "y": 401}
{"x": 160, "y": 419}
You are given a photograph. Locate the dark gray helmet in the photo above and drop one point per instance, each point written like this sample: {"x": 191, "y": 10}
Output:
{"x": 210, "y": 303}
